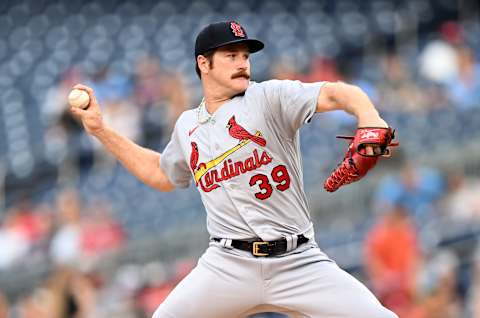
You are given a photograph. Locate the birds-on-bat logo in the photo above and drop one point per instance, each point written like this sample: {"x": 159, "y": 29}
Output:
{"x": 240, "y": 133}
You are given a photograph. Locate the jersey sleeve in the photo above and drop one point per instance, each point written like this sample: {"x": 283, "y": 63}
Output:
{"x": 291, "y": 103}
{"x": 173, "y": 162}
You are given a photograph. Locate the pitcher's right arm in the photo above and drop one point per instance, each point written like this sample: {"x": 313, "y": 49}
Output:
{"x": 143, "y": 163}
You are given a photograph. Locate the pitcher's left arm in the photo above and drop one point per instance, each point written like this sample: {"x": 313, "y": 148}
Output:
{"x": 372, "y": 139}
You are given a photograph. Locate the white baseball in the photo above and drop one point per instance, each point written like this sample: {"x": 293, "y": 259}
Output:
{"x": 78, "y": 98}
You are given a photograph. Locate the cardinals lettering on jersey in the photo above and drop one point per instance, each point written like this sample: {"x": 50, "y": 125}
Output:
{"x": 206, "y": 174}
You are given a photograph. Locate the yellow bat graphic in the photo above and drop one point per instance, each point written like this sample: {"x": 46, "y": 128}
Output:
{"x": 204, "y": 168}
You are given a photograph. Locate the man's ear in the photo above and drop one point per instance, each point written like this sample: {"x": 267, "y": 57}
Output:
{"x": 203, "y": 64}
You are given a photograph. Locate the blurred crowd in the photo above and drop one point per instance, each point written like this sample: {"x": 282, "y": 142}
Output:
{"x": 444, "y": 74}
{"x": 77, "y": 240}
{"x": 66, "y": 231}
{"x": 421, "y": 252}
{"x": 412, "y": 264}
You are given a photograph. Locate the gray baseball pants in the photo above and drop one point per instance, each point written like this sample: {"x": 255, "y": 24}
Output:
{"x": 230, "y": 283}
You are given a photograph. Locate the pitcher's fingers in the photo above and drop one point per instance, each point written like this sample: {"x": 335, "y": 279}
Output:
{"x": 369, "y": 150}
{"x": 78, "y": 112}
{"x": 83, "y": 87}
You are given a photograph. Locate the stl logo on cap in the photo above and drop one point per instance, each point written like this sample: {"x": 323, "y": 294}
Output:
{"x": 237, "y": 29}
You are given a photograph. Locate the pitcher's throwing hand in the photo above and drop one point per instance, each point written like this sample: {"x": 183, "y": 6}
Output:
{"x": 91, "y": 117}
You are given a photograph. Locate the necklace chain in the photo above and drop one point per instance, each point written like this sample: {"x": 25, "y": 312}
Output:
{"x": 202, "y": 114}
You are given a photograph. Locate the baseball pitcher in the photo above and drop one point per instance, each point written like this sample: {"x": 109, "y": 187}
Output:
{"x": 240, "y": 148}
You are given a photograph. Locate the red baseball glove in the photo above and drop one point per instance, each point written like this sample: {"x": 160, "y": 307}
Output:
{"x": 357, "y": 162}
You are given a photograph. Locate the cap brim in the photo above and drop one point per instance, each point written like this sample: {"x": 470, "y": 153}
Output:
{"x": 253, "y": 44}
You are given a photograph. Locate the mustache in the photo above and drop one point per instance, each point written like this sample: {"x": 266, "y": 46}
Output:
{"x": 241, "y": 74}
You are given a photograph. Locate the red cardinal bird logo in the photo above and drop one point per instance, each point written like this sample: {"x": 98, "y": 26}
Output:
{"x": 238, "y": 132}
{"x": 194, "y": 156}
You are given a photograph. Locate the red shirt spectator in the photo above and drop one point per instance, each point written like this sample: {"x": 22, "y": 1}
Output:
{"x": 101, "y": 233}
{"x": 391, "y": 257}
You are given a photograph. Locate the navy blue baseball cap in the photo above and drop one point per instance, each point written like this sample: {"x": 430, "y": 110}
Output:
{"x": 220, "y": 34}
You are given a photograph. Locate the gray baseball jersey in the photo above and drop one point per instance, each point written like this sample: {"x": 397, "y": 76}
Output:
{"x": 245, "y": 160}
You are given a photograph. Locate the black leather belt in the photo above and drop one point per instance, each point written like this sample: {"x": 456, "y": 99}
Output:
{"x": 265, "y": 249}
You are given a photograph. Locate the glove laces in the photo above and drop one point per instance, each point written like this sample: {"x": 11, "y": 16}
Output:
{"x": 340, "y": 176}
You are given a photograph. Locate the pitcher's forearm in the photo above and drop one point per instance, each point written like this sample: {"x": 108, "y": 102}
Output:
{"x": 143, "y": 163}
{"x": 358, "y": 104}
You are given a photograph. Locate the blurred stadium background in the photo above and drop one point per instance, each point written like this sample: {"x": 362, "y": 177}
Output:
{"x": 80, "y": 237}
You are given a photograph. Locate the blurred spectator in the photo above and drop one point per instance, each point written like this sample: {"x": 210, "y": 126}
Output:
{"x": 462, "y": 203}
{"x": 178, "y": 98}
{"x": 4, "y": 306}
{"x": 391, "y": 259}
{"x": 158, "y": 287}
{"x": 23, "y": 229}
{"x": 150, "y": 297}
{"x": 65, "y": 293}
{"x": 56, "y": 102}
{"x": 81, "y": 293}
{"x": 113, "y": 92}
{"x": 149, "y": 83}
{"x": 46, "y": 225}
{"x": 464, "y": 88}
{"x": 66, "y": 144}
{"x": 321, "y": 69}
{"x": 26, "y": 220}
{"x": 474, "y": 295}
{"x": 437, "y": 288}
{"x": 13, "y": 246}
{"x": 162, "y": 97}
{"x": 149, "y": 94}
{"x": 284, "y": 68}
{"x": 123, "y": 115}
{"x": 100, "y": 234}
{"x": 418, "y": 188}
{"x": 109, "y": 86}
{"x": 438, "y": 62}
{"x": 65, "y": 246}
{"x": 398, "y": 91}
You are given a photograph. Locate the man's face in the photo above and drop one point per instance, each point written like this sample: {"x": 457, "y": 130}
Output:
{"x": 231, "y": 68}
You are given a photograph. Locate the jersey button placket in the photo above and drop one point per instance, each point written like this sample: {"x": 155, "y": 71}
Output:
{"x": 214, "y": 146}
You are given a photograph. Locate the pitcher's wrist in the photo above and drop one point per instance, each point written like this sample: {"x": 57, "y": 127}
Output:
{"x": 371, "y": 118}
{"x": 100, "y": 132}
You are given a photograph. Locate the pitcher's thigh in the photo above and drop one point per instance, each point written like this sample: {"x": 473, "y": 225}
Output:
{"x": 322, "y": 289}
{"x": 350, "y": 298}
{"x": 214, "y": 288}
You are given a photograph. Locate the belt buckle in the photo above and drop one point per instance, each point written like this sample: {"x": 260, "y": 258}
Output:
{"x": 256, "y": 249}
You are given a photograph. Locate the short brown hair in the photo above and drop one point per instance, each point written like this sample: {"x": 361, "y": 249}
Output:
{"x": 209, "y": 56}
